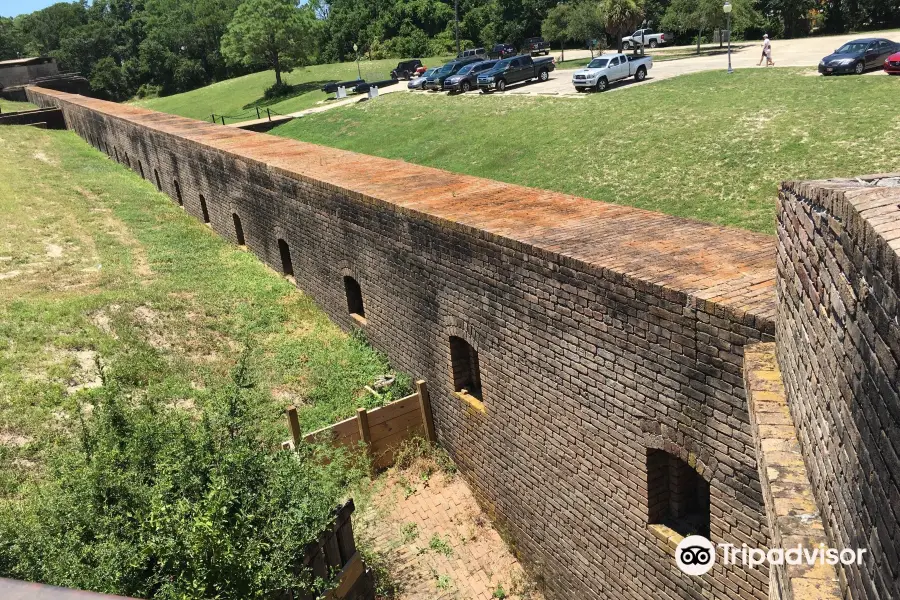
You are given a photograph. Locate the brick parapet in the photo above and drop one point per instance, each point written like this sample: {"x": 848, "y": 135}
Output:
{"x": 838, "y": 345}
{"x": 602, "y": 331}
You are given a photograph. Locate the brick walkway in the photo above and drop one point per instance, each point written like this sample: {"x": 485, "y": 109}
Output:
{"x": 439, "y": 543}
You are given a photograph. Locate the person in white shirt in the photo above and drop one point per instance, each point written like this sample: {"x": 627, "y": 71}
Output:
{"x": 766, "y": 52}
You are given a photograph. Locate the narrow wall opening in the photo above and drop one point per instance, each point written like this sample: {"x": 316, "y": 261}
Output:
{"x": 116, "y": 150}
{"x": 238, "y": 230}
{"x": 141, "y": 168}
{"x": 178, "y": 192}
{"x": 203, "y": 209}
{"x": 287, "y": 266}
{"x": 465, "y": 367}
{"x": 677, "y": 496}
{"x": 158, "y": 182}
{"x": 354, "y": 298}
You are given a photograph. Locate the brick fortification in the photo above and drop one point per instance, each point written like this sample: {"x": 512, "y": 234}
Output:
{"x": 838, "y": 344}
{"x": 604, "y": 335}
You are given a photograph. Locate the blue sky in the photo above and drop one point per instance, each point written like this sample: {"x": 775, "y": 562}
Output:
{"x": 11, "y": 8}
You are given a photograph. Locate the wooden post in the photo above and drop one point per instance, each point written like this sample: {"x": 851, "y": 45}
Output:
{"x": 294, "y": 425}
{"x": 425, "y": 407}
{"x": 362, "y": 420}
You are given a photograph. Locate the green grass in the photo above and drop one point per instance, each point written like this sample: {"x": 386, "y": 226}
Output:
{"x": 96, "y": 265}
{"x": 238, "y": 97}
{"x": 708, "y": 146}
{"x": 10, "y": 106}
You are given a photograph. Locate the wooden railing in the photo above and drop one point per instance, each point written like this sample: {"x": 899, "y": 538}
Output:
{"x": 382, "y": 429}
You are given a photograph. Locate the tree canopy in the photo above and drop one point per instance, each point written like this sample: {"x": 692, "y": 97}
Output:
{"x": 275, "y": 33}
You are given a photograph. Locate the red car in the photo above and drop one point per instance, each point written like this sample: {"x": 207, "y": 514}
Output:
{"x": 892, "y": 64}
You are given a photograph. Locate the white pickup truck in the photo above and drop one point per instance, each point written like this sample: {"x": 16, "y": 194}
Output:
{"x": 645, "y": 37}
{"x": 604, "y": 70}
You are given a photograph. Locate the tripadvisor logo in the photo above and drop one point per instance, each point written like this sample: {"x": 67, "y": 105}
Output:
{"x": 696, "y": 555}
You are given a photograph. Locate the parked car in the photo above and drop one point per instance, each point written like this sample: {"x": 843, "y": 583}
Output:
{"x": 892, "y": 64}
{"x": 362, "y": 88}
{"x": 858, "y": 56}
{"x": 436, "y": 80}
{"x": 536, "y": 46}
{"x": 646, "y": 37}
{"x": 407, "y": 69}
{"x": 467, "y": 78}
{"x": 604, "y": 70}
{"x": 515, "y": 70}
{"x": 418, "y": 83}
{"x": 332, "y": 86}
{"x": 473, "y": 53}
{"x": 502, "y": 51}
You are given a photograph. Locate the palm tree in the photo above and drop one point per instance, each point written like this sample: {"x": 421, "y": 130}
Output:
{"x": 622, "y": 16}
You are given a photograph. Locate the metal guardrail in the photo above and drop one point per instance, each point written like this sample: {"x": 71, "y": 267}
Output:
{"x": 10, "y": 589}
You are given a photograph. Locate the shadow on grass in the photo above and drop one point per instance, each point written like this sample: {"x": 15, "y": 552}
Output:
{"x": 290, "y": 92}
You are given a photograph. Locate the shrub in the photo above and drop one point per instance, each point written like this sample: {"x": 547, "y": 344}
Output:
{"x": 151, "y": 502}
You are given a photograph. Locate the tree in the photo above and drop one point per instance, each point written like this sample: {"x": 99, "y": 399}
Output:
{"x": 555, "y": 27}
{"x": 622, "y": 16}
{"x": 271, "y": 32}
{"x": 587, "y": 22}
{"x": 702, "y": 15}
{"x": 12, "y": 43}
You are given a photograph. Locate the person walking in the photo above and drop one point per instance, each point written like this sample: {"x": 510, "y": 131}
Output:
{"x": 766, "y": 52}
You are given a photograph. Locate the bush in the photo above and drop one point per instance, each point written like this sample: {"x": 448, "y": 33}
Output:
{"x": 153, "y": 502}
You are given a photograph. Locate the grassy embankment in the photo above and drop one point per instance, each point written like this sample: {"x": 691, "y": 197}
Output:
{"x": 103, "y": 276}
{"x": 707, "y": 146}
{"x": 10, "y": 106}
{"x": 239, "y": 96}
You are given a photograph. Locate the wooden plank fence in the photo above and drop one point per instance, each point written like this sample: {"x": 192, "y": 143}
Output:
{"x": 335, "y": 552}
{"x": 382, "y": 429}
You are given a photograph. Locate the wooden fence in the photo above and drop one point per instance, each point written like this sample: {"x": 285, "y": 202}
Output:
{"x": 335, "y": 553}
{"x": 382, "y": 429}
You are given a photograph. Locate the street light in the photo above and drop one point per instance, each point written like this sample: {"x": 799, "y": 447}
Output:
{"x": 358, "y": 72}
{"x": 727, "y": 8}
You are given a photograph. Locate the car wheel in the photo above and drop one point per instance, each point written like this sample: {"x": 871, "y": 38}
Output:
{"x": 465, "y": 86}
{"x": 653, "y": 44}
{"x": 641, "y": 74}
{"x": 543, "y": 75}
{"x": 860, "y": 68}
{"x": 602, "y": 84}
{"x": 501, "y": 85}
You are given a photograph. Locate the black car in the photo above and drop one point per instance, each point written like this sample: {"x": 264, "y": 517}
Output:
{"x": 406, "y": 69}
{"x": 858, "y": 56}
{"x": 332, "y": 86}
{"x": 502, "y": 51}
{"x": 436, "y": 81}
{"x": 467, "y": 77}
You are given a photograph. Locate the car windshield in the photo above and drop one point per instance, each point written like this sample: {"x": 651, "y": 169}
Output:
{"x": 502, "y": 64}
{"x": 446, "y": 68}
{"x": 598, "y": 63}
{"x": 429, "y": 72}
{"x": 466, "y": 69}
{"x": 853, "y": 48}
{"x": 498, "y": 47}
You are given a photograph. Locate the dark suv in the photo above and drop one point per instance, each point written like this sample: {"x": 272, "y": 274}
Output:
{"x": 467, "y": 77}
{"x": 535, "y": 46}
{"x": 406, "y": 69}
{"x": 436, "y": 81}
{"x": 502, "y": 51}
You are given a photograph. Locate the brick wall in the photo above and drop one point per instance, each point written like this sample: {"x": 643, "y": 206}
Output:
{"x": 602, "y": 332}
{"x": 838, "y": 343}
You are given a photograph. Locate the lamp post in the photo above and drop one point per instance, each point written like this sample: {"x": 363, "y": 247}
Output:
{"x": 358, "y": 72}
{"x": 727, "y": 8}
{"x": 456, "y": 24}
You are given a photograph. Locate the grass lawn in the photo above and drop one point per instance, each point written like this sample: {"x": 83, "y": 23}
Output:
{"x": 238, "y": 97}
{"x": 708, "y": 146}
{"x": 104, "y": 278}
{"x": 10, "y": 106}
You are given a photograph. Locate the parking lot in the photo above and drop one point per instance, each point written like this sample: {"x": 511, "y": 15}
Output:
{"x": 786, "y": 53}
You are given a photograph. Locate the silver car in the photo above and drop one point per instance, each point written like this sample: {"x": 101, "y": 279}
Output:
{"x": 419, "y": 82}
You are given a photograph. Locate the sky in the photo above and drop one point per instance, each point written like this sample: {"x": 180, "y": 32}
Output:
{"x": 11, "y": 8}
